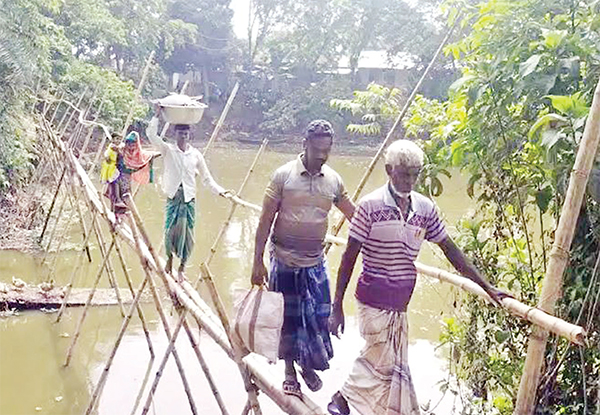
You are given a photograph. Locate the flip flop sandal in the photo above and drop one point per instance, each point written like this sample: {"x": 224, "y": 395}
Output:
{"x": 312, "y": 380}
{"x": 334, "y": 407}
{"x": 292, "y": 387}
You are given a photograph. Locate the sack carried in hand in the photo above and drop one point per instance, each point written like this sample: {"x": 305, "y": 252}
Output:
{"x": 258, "y": 322}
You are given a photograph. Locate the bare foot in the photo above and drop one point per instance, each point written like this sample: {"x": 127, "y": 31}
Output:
{"x": 169, "y": 265}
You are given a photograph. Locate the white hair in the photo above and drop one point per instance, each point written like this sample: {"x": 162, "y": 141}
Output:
{"x": 404, "y": 153}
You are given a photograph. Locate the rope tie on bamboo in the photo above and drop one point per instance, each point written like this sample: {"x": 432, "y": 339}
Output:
{"x": 559, "y": 252}
{"x": 584, "y": 174}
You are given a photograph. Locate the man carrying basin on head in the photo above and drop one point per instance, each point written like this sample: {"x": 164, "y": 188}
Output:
{"x": 182, "y": 163}
{"x": 298, "y": 200}
{"x": 388, "y": 228}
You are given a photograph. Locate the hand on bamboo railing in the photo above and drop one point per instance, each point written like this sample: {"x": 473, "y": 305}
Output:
{"x": 228, "y": 194}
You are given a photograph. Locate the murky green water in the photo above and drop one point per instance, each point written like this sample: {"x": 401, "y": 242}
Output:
{"x": 33, "y": 346}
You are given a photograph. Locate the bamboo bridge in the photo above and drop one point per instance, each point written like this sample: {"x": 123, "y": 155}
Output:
{"x": 63, "y": 167}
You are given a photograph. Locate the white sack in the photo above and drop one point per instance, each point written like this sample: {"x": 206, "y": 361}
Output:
{"x": 258, "y": 321}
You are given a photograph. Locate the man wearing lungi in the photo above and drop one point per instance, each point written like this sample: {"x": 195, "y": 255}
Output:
{"x": 388, "y": 227}
{"x": 182, "y": 162}
{"x": 298, "y": 199}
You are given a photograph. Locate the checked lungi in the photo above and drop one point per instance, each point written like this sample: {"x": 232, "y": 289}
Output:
{"x": 307, "y": 305}
{"x": 179, "y": 226}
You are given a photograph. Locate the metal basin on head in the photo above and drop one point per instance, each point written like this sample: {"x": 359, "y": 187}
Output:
{"x": 181, "y": 109}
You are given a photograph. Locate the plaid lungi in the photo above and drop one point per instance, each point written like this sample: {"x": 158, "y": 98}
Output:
{"x": 307, "y": 306}
{"x": 380, "y": 382}
{"x": 179, "y": 226}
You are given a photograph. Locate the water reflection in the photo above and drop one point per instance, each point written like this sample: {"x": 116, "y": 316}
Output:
{"x": 32, "y": 349}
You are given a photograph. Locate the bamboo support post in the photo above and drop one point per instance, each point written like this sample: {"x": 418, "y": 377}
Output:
{"x": 206, "y": 370}
{"x": 74, "y": 206}
{"x": 82, "y": 123}
{"x": 132, "y": 291}
{"x": 100, "y": 385}
{"x": 183, "y": 313}
{"x": 55, "y": 226}
{"x": 222, "y": 117}
{"x": 74, "y": 273}
{"x": 363, "y": 181}
{"x": 225, "y": 225}
{"x": 99, "y": 152}
{"x": 74, "y": 202}
{"x": 137, "y": 223}
{"x": 183, "y": 323}
{"x": 62, "y": 177}
{"x": 216, "y": 299}
{"x": 72, "y": 112}
{"x": 91, "y": 129}
{"x": 210, "y": 323}
{"x": 138, "y": 92}
{"x": 553, "y": 280}
{"x": 58, "y": 102}
{"x": 88, "y": 302}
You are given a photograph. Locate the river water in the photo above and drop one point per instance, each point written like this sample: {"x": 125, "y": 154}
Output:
{"x": 33, "y": 379}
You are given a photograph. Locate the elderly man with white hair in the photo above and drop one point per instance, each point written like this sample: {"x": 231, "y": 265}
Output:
{"x": 388, "y": 228}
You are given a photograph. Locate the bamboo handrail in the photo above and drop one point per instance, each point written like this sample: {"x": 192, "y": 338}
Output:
{"x": 553, "y": 280}
{"x": 573, "y": 333}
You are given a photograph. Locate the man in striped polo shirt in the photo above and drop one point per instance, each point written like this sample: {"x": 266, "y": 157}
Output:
{"x": 388, "y": 227}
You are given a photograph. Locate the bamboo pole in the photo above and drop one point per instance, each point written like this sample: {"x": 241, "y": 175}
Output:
{"x": 60, "y": 210}
{"x": 132, "y": 291}
{"x": 70, "y": 189}
{"x": 100, "y": 385}
{"x": 250, "y": 387}
{"x": 138, "y": 92}
{"x": 58, "y": 102}
{"x": 252, "y": 363}
{"x": 74, "y": 138}
{"x": 72, "y": 112}
{"x": 171, "y": 348}
{"x": 571, "y": 332}
{"x": 75, "y": 203}
{"x": 222, "y": 117}
{"x": 88, "y": 302}
{"x": 91, "y": 129}
{"x": 553, "y": 280}
{"x": 363, "y": 181}
{"x": 225, "y": 225}
{"x": 110, "y": 272}
{"x": 159, "y": 308}
{"x": 99, "y": 152}
{"x": 86, "y": 248}
{"x": 41, "y": 237}
{"x": 181, "y": 323}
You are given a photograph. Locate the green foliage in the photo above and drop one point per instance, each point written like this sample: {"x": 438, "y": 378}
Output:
{"x": 118, "y": 95}
{"x": 377, "y": 108}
